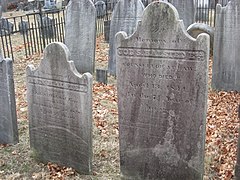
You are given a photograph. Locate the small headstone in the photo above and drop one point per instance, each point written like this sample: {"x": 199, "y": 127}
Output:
{"x": 197, "y": 28}
{"x": 237, "y": 167}
{"x": 60, "y": 111}
{"x": 186, "y": 10}
{"x": 162, "y": 77}
{"x": 6, "y": 25}
{"x": 100, "y": 8}
{"x": 125, "y": 17}
{"x": 107, "y": 30}
{"x": 101, "y": 76}
{"x": 23, "y": 27}
{"x": 226, "y": 66}
{"x": 48, "y": 29}
{"x": 8, "y": 117}
{"x": 80, "y": 34}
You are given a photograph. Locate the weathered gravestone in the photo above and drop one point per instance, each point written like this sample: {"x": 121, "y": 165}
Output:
{"x": 226, "y": 64}
{"x": 162, "y": 97}
{"x": 100, "y": 8}
{"x": 237, "y": 167}
{"x": 8, "y": 117}
{"x": 186, "y": 10}
{"x": 60, "y": 110}
{"x": 80, "y": 33}
{"x": 125, "y": 16}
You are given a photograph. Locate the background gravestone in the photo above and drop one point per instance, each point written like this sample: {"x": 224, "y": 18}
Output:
{"x": 226, "y": 64}
{"x": 8, "y": 117}
{"x": 60, "y": 111}
{"x": 162, "y": 97}
{"x": 125, "y": 16}
{"x": 80, "y": 34}
{"x": 186, "y": 10}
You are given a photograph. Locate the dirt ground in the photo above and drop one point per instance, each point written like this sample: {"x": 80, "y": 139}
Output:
{"x": 17, "y": 162}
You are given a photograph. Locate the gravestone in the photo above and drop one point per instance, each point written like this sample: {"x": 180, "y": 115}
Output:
{"x": 8, "y": 117}
{"x": 186, "y": 10}
{"x": 101, "y": 76}
{"x": 197, "y": 28}
{"x": 60, "y": 111}
{"x": 125, "y": 16}
{"x": 107, "y": 30}
{"x": 6, "y": 25}
{"x": 162, "y": 97}
{"x": 100, "y": 8}
{"x": 23, "y": 27}
{"x": 80, "y": 34}
{"x": 226, "y": 64}
{"x": 0, "y": 11}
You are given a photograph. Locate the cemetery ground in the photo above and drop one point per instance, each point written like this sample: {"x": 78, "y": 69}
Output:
{"x": 17, "y": 161}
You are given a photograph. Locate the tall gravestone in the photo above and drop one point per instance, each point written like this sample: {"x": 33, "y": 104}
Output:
{"x": 162, "y": 97}
{"x": 186, "y": 10}
{"x": 60, "y": 110}
{"x": 80, "y": 34}
{"x": 125, "y": 16}
{"x": 226, "y": 63}
{"x": 8, "y": 117}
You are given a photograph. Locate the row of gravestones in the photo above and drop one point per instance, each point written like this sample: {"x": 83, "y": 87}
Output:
{"x": 162, "y": 101}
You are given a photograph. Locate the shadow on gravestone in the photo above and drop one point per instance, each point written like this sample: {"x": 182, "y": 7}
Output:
{"x": 8, "y": 116}
{"x": 60, "y": 111}
{"x": 125, "y": 16}
{"x": 226, "y": 64}
{"x": 80, "y": 34}
{"x": 162, "y": 76}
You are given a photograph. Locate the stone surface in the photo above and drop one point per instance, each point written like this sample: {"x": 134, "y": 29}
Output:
{"x": 107, "y": 30}
{"x": 226, "y": 64}
{"x": 60, "y": 111}
{"x": 23, "y": 27}
{"x": 197, "y": 28}
{"x": 186, "y": 10}
{"x": 101, "y": 76}
{"x": 100, "y": 8}
{"x": 125, "y": 16}
{"x": 80, "y": 34}
{"x": 162, "y": 98}
{"x": 8, "y": 117}
{"x": 237, "y": 167}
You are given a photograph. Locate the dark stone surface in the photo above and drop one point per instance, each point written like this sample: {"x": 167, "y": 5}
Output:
{"x": 101, "y": 76}
{"x": 107, "y": 30}
{"x": 125, "y": 16}
{"x": 226, "y": 64}
{"x": 162, "y": 98}
{"x": 60, "y": 111}
{"x": 8, "y": 117}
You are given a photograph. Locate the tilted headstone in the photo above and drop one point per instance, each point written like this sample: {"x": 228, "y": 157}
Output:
{"x": 226, "y": 64}
{"x": 80, "y": 34}
{"x": 8, "y": 117}
{"x": 125, "y": 17}
{"x": 100, "y": 8}
{"x": 162, "y": 97}
{"x": 60, "y": 111}
{"x": 186, "y": 10}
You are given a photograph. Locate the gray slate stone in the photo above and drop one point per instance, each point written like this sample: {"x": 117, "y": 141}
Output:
{"x": 100, "y": 8}
{"x": 101, "y": 76}
{"x": 226, "y": 64}
{"x": 23, "y": 27}
{"x": 60, "y": 111}
{"x": 197, "y": 28}
{"x": 186, "y": 10}
{"x": 8, "y": 117}
{"x": 125, "y": 16}
{"x": 80, "y": 30}
{"x": 162, "y": 98}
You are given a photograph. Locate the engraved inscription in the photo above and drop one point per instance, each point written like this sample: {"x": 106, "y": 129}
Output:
{"x": 58, "y": 84}
{"x": 171, "y": 54}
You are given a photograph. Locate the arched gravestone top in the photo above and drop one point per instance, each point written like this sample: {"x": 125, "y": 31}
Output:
{"x": 125, "y": 16}
{"x": 80, "y": 34}
{"x": 162, "y": 76}
{"x": 60, "y": 110}
{"x": 226, "y": 64}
